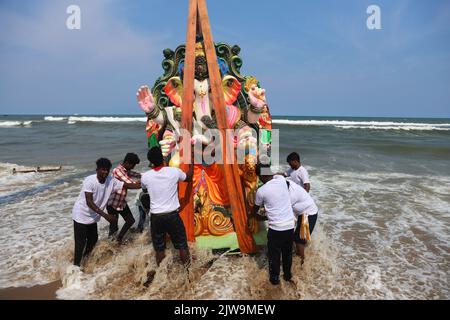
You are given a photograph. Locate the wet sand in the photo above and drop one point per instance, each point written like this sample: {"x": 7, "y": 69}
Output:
{"x": 43, "y": 292}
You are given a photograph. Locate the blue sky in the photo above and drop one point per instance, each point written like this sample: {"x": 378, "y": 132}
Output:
{"x": 315, "y": 58}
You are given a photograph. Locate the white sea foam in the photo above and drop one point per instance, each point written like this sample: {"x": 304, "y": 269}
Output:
{"x": 119, "y": 273}
{"x": 33, "y": 234}
{"x": 391, "y": 223}
{"x": 379, "y": 125}
{"x": 379, "y": 235}
{"x": 11, "y": 183}
{"x": 341, "y": 124}
{"x": 6, "y": 124}
{"x": 406, "y": 128}
{"x": 51, "y": 118}
{"x": 72, "y": 119}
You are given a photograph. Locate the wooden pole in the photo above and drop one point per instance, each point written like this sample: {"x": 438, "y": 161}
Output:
{"x": 185, "y": 188}
{"x": 233, "y": 182}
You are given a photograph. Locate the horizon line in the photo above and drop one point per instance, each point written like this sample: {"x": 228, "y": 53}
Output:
{"x": 272, "y": 115}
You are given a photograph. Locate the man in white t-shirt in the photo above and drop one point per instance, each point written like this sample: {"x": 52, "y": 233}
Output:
{"x": 161, "y": 183}
{"x": 274, "y": 196}
{"x": 297, "y": 172}
{"x": 302, "y": 203}
{"x": 90, "y": 206}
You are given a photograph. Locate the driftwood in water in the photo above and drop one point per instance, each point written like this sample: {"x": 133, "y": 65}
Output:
{"x": 37, "y": 169}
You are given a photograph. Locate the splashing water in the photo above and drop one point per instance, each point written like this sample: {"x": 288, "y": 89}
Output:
{"x": 382, "y": 187}
{"x": 114, "y": 272}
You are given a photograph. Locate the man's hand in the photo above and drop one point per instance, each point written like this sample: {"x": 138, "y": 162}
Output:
{"x": 190, "y": 173}
{"x": 91, "y": 204}
{"x": 109, "y": 217}
{"x": 256, "y": 214}
{"x": 135, "y": 185}
{"x": 307, "y": 187}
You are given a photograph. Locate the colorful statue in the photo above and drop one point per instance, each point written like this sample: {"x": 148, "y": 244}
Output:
{"x": 247, "y": 113}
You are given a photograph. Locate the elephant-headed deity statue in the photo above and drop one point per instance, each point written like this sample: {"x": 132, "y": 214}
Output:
{"x": 247, "y": 113}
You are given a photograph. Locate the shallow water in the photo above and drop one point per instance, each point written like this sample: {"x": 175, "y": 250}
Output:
{"x": 382, "y": 232}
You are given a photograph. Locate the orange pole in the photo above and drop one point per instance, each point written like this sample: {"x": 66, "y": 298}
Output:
{"x": 185, "y": 188}
{"x": 232, "y": 179}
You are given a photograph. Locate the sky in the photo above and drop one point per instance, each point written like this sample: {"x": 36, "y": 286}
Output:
{"x": 314, "y": 58}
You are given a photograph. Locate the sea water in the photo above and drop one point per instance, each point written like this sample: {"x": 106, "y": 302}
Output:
{"x": 382, "y": 186}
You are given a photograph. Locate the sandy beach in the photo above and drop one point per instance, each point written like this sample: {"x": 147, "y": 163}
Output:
{"x": 43, "y": 292}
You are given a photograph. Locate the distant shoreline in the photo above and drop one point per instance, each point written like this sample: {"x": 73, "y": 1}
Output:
{"x": 273, "y": 116}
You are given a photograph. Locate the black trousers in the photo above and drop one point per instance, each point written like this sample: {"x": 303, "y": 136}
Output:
{"x": 279, "y": 245}
{"x": 126, "y": 215}
{"x": 86, "y": 237}
{"x": 170, "y": 223}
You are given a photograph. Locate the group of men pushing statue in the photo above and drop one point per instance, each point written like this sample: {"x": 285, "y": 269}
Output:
{"x": 283, "y": 201}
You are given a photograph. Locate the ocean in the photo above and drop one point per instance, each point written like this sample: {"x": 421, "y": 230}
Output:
{"x": 382, "y": 186}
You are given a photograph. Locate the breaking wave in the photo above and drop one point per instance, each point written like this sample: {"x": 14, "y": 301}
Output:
{"x": 130, "y": 272}
{"x": 51, "y": 118}
{"x": 7, "y": 124}
{"x": 72, "y": 120}
{"x": 375, "y": 125}
{"x": 339, "y": 124}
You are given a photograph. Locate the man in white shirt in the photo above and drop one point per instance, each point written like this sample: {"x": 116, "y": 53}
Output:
{"x": 274, "y": 195}
{"x": 161, "y": 184}
{"x": 302, "y": 203}
{"x": 90, "y": 206}
{"x": 297, "y": 172}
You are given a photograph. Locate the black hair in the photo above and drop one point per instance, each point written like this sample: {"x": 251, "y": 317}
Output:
{"x": 131, "y": 158}
{"x": 294, "y": 156}
{"x": 155, "y": 156}
{"x": 103, "y": 163}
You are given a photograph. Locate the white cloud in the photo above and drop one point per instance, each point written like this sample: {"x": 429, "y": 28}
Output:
{"x": 101, "y": 64}
{"x": 103, "y": 35}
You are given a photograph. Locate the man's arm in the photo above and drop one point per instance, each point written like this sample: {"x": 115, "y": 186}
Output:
{"x": 256, "y": 215}
{"x": 91, "y": 204}
{"x": 286, "y": 173}
{"x": 259, "y": 201}
{"x": 307, "y": 186}
{"x": 190, "y": 173}
{"x": 134, "y": 175}
{"x": 134, "y": 185}
{"x": 304, "y": 177}
{"x": 127, "y": 182}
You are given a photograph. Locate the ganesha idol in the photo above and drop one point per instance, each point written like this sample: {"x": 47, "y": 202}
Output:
{"x": 247, "y": 113}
